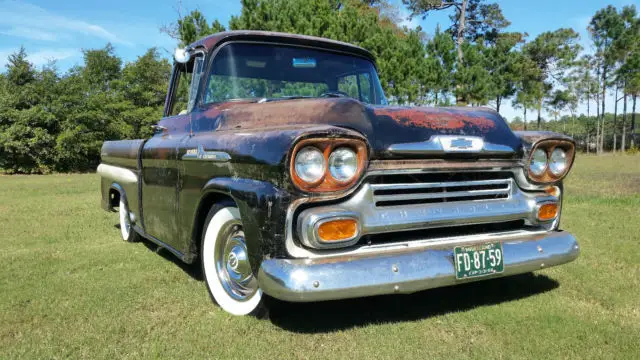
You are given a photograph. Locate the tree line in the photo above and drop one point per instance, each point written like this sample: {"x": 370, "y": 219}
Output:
{"x": 57, "y": 121}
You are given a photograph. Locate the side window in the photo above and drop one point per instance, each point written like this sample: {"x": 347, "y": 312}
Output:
{"x": 357, "y": 86}
{"x": 349, "y": 85}
{"x": 198, "y": 65}
{"x": 185, "y": 87}
{"x": 366, "y": 90}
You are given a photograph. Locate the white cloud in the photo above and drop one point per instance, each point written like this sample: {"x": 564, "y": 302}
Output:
{"x": 41, "y": 57}
{"x": 580, "y": 23}
{"x": 22, "y": 19}
{"x": 407, "y": 20}
{"x": 30, "y": 33}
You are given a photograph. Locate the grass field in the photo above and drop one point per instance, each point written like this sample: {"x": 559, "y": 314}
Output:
{"x": 70, "y": 288}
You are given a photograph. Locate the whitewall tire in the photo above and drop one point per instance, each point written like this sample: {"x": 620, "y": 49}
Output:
{"x": 225, "y": 263}
{"x": 126, "y": 228}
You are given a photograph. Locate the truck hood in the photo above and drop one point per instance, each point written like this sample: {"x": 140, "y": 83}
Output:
{"x": 392, "y": 132}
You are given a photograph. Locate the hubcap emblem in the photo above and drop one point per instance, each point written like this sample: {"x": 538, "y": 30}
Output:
{"x": 233, "y": 261}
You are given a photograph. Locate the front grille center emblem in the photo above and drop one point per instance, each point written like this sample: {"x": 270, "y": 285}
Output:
{"x": 461, "y": 143}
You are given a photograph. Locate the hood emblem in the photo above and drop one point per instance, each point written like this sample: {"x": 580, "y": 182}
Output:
{"x": 458, "y": 144}
{"x": 461, "y": 143}
{"x": 443, "y": 144}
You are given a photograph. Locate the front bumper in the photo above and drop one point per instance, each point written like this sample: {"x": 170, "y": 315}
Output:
{"x": 405, "y": 270}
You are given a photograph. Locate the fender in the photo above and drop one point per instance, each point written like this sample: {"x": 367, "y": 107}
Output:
{"x": 263, "y": 210}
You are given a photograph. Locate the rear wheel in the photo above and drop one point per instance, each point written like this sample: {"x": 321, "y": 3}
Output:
{"x": 225, "y": 263}
{"x": 126, "y": 229}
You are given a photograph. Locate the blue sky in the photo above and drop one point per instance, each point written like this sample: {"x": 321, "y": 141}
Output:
{"x": 59, "y": 30}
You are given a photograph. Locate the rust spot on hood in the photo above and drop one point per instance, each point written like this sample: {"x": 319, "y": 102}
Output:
{"x": 341, "y": 112}
{"x": 439, "y": 118}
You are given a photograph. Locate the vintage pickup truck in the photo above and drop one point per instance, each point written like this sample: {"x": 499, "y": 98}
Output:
{"x": 280, "y": 168}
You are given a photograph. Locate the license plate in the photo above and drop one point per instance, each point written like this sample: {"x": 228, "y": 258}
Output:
{"x": 478, "y": 260}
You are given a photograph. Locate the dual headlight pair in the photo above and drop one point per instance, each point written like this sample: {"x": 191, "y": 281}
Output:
{"x": 321, "y": 165}
{"x": 550, "y": 160}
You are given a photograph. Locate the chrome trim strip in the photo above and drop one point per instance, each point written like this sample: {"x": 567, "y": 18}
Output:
{"x": 442, "y": 144}
{"x": 117, "y": 174}
{"x": 201, "y": 154}
{"x": 405, "y": 271}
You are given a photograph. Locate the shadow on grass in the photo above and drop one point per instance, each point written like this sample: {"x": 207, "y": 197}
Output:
{"x": 192, "y": 270}
{"x": 329, "y": 316}
{"x": 337, "y": 315}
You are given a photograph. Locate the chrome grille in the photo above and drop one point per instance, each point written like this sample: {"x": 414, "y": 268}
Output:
{"x": 396, "y": 194}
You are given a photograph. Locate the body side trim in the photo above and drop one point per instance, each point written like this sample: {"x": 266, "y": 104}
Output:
{"x": 118, "y": 174}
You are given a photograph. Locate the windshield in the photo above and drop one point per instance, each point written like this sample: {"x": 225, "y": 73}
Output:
{"x": 276, "y": 72}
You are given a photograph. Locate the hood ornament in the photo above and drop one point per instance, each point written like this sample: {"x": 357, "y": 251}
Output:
{"x": 444, "y": 144}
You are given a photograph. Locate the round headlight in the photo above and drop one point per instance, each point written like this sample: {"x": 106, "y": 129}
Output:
{"x": 309, "y": 164}
{"x": 558, "y": 162}
{"x": 538, "y": 162}
{"x": 343, "y": 164}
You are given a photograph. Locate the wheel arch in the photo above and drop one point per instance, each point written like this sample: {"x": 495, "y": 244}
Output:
{"x": 209, "y": 198}
{"x": 116, "y": 192}
{"x": 262, "y": 208}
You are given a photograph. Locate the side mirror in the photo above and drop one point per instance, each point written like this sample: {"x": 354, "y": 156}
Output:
{"x": 158, "y": 128}
{"x": 181, "y": 55}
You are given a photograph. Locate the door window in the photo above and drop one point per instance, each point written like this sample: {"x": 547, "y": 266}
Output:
{"x": 185, "y": 84}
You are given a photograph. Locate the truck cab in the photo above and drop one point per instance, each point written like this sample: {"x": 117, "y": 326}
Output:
{"x": 280, "y": 168}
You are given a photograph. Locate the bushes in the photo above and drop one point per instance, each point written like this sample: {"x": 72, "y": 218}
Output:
{"x": 51, "y": 122}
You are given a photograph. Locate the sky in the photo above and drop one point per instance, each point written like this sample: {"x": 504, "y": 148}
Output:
{"x": 59, "y": 30}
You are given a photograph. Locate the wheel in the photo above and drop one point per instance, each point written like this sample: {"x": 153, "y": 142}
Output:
{"x": 128, "y": 234}
{"x": 225, "y": 263}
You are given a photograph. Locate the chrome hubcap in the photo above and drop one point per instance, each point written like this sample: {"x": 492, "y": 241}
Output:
{"x": 232, "y": 263}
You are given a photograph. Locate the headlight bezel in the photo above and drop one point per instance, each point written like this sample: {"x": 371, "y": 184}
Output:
{"x": 548, "y": 146}
{"x": 327, "y": 145}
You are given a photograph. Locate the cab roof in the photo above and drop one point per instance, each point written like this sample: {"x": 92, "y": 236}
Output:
{"x": 214, "y": 40}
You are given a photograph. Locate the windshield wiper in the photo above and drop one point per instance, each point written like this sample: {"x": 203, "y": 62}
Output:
{"x": 334, "y": 94}
{"x": 264, "y": 100}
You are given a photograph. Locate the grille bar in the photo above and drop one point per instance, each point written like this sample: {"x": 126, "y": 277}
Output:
{"x": 438, "y": 184}
{"x": 420, "y": 193}
{"x": 443, "y": 195}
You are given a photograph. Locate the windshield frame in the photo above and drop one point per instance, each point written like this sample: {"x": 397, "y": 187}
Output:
{"x": 201, "y": 104}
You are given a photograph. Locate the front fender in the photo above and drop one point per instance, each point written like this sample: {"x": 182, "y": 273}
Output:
{"x": 263, "y": 208}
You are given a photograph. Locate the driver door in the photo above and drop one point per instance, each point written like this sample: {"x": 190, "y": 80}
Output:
{"x": 160, "y": 166}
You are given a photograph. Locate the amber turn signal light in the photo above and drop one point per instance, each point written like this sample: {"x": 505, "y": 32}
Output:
{"x": 338, "y": 230}
{"x": 547, "y": 212}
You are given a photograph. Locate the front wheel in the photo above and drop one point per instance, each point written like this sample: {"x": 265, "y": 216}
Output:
{"x": 225, "y": 263}
{"x": 126, "y": 230}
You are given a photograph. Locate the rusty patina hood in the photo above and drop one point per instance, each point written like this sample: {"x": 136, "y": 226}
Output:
{"x": 385, "y": 127}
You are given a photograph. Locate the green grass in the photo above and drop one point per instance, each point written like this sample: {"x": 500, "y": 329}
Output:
{"x": 70, "y": 288}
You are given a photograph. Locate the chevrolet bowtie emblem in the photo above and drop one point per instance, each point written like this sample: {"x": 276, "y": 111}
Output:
{"x": 461, "y": 143}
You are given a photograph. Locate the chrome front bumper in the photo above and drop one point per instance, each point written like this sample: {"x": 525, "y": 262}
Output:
{"x": 405, "y": 270}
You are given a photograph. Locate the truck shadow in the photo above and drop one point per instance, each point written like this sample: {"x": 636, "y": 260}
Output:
{"x": 338, "y": 315}
{"x": 330, "y": 316}
{"x": 193, "y": 270}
